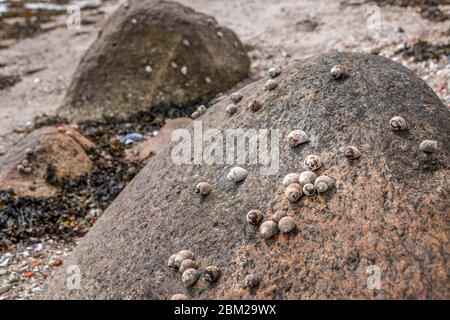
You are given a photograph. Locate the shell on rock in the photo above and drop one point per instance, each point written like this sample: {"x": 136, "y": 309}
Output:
{"x": 309, "y": 189}
{"x": 297, "y": 137}
{"x": 274, "y": 72}
{"x": 270, "y": 85}
{"x": 190, "y": 277}
{"x": 255, "y": 105}
{"x": 290, "y": 178}
{"x": 236, "y": 97}
{"x": 212, "y": 273}
{"x": 195, "y": 115}
{"x": 293, "y": 192}
{"x": 171, "y": 261}
{"x": 201, "y": 109}
{"x": 254, "y": 217}
{"x": 398, "y": 124}
{"x": 286, "y": 225}
{"x": 251, "y": 281}
{"x": 179, "y": 296}
{"x": 307, "y": 177}
{"x": 323, "y": 184}
{"x": 203, "y": 189}
{"x": 352, "y": 153}
{"x": 428, "y": 146}
{"x": 188, "y": 264}
{"x": 313, "y": 162}
{"x": 29, "y": 152}
{"x": 338, "y": 71}
{"x": 268, "y": 229}
{"x": 237, "y": 174}
{"x": 231, "y": 109}
{"x": 183, "y": 255}
{"x": 278, "y": 215}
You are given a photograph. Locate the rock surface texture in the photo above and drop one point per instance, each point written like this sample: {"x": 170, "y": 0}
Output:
{"x": 387, "y": 210}
{"x": 39, "y": 163}
{"x": 154, "y": 54}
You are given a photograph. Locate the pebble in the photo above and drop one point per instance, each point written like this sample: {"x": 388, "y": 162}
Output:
{"x": 4, "y": 288}
{"x": 132, "y": 138}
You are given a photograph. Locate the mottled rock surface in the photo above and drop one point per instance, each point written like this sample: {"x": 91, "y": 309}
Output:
{"x": 145, "y": 150}
{"x": 154, "y": 54}
{"x": 58, "y": 153}
{"x": 388, "y": 209}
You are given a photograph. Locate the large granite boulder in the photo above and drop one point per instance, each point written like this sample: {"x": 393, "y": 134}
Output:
{"x": 386, "y": 217}
{"x": 154, "y": 54}
{"x": 38, "y": 165}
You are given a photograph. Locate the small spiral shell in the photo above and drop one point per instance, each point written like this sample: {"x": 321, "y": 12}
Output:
{"x": 278, "y": 215}
{"x": 293, "y": 192}
{"x": 179, "y": 296}
{"x": 307, "y": 177}
{"x": 309, "y": 189}
{"x": 171, "y": 261}
{"x": 270, "y": 85}
{"x": 428, "y": 146}
{"x": 183, "y": 255}
{"x": 237, "y": 174}
{"x": 274, "y": 72}
{"x": 297, "y": 137}
{"x": 268, "y": 229}
{"x": 313, "y": 163}
{"x": 286, "y": 224}
{"x": 398, "y": 124}
{"x": 251, "y": 281}
{"x": 188, "y": 264}
{"x": 232, "y": 109}
{"x": 254, "y": 217}
{"x": 323, "y": 184}
{"x": 190, "y": 277}
{"x": 255, "y": 105}
{"x": 236, "y": 97}
{"x": 339, "y": 71}
{"x": 352, "y": 153}
{"x": 290, "y": 178}
{"x": 212, "y": 273}
{"x": 203, "y": 189}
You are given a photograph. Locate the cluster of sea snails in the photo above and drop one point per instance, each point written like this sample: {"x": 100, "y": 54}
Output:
{"x": 279, "y": 222}
{"x": 184, "y": 261}
{"x": 199, "y": 112}
{"x": 398, "y": 124}
{"x": 235, "y": 98}
{"x": 25, "y": 165}
{"x": 306, "y": 183}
